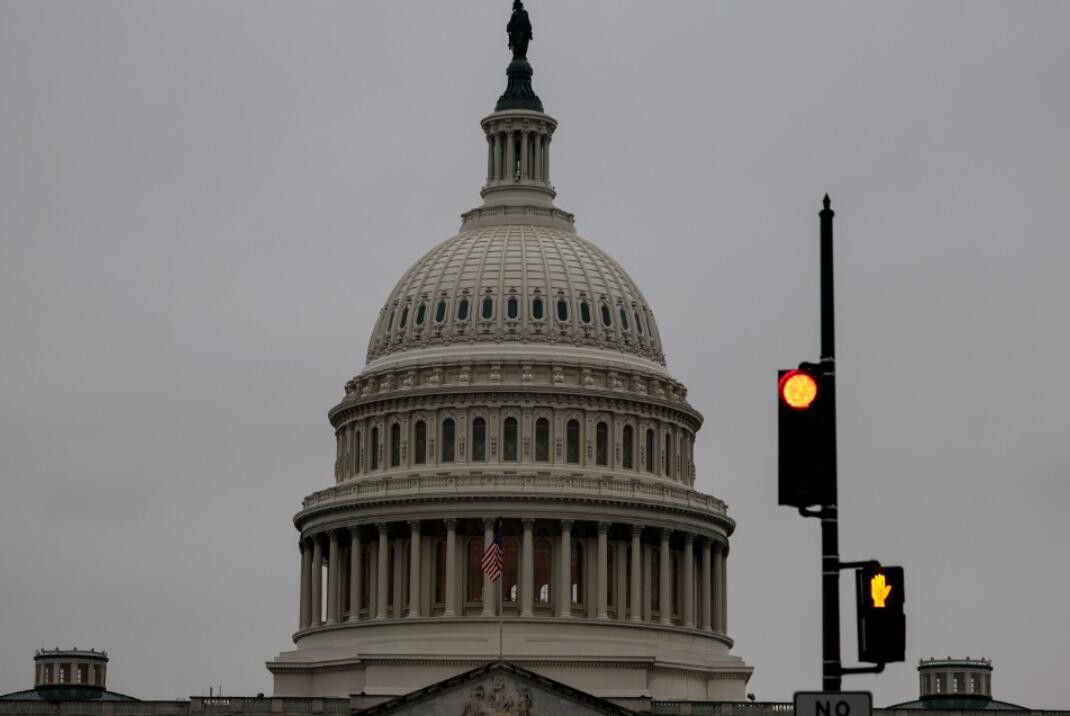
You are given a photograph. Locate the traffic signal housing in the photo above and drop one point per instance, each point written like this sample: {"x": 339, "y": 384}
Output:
{"x": 807, "y": 436}
{"x": 882, "y": 627}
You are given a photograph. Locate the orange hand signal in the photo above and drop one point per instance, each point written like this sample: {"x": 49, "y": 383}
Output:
{"x": 879, "y": 590}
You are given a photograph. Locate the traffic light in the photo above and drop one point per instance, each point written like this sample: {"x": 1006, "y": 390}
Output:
{"x": 807, "y": 427}
{"x": 882, "y": 627}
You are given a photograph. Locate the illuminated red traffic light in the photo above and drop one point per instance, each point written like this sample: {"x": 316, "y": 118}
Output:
{"x": 798, "y": 389}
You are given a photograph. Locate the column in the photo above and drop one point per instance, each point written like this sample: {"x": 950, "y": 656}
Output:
{"x": 724, "y": 590}
{"x": 497, "y": 156}
{"x": 665, "y": 579}
{"x": 451, "y": 569}
{"x": 488, "y": 586}
{"x": 689, "y": 580}
{"x": 718, "y": 584}
{"x": 546, "y": 159}
{"x": 527, "y": 569}
{"x": 637, "y": 569}
{"x": 536, "y": 169}
{"x": 706, "y": 596}
{"x": 332, "y": 579}
{"x": 306, "y": 585}
{"x": 510, "y": 156}
{"x": 380, "y": 578}
{"x": 414, "y": 569}
{"x": 564, "y": 593}
{"x": 490, "y": 158}
{"x": 524, "y": 164}
{"x": 603, "y": 565}
{"x": 397, "y": 601}
{"x": 317, "y": 581}
{"x": 356, "y": 573}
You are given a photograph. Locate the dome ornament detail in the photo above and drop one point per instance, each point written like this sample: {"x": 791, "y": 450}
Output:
{"x": 518, "y": 92}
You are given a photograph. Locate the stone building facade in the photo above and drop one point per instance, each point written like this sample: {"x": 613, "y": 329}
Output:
{"x": 515, "y": 376}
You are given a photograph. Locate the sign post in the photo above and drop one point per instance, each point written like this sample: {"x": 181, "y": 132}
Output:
{"x": 833, "y": 703}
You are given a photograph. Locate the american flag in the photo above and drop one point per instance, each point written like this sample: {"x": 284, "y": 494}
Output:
{"x": 492, "y": 557}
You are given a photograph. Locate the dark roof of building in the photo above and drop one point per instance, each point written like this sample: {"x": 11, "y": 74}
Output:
{"x": 34, "y": 695}
{"x": 958, "y": 703}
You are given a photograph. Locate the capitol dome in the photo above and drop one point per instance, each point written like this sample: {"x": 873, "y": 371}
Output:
{"x": 515, "y": 394}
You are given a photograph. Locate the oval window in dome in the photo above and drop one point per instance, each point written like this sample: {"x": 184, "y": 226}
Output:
{"x": 536, "y": 308}
{"x": 488, "y": 308}
{"x": 562, "y": 309}
{"x": 623, "y": 319}
{"x": 607, "y": 317}
{"x": 462, "y": 309}
{"x": 404, "y": 317}
{"x": 585, "y": 312}
{"x": 440, "y": 311}
{"x": 421, "y": 314}
{"x": 512, "y": 308}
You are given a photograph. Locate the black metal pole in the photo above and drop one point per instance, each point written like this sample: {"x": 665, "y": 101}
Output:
{"x": 830, "y": 534}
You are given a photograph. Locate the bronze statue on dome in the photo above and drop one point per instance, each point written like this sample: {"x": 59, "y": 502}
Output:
{"x": 519, "y": 29}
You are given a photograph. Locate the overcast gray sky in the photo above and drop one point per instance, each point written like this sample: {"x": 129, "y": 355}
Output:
{"x": 203, "y": 205}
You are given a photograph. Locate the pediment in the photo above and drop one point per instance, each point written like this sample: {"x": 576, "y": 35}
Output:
{"x": 498, "y": 689}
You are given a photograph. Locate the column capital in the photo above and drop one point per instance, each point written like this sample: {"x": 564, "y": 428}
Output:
{"x": 414, "y": 525}
{"x": 665, "y": 533}
{"x": 333, "y": 535}
{"x": 488, "y": 523}
{"x": 528, "y": 523}
{"x": 567, "y": 525}
{"x": 719, "y": 547}
{"x": 451, "y": 523}
{"x": 637, "y": 530}
{"x": 354, "y": 531}
{"x": 689, "y": 537}
{"x": 383, "y": 527}
{"x": 603, "y": 528}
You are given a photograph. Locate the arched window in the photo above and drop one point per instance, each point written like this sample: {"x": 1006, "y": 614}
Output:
{"x": 562, "y": 309}
{"x": 375, "y": 448}
{"x": 421, "y": 314}
{"x": 474, "y": 593}
{"x": 542, "y": 440}
{"x": 390, "y": 321}
{"x": 572, "y": 440}
{"x": 404, "y": 317}
{"x": 462, "y": 309}
{"x": 649, "y": 466}
{"x": 627, "y": 438}
{"x": 667, "y": 455}
{"x": 487, "y": 311}
{"x": 395, "y": 445}
{"x": 536, "y": 308}
{"x": 448, "y": 440}
{"x": 440, "y": 311}
{"x": 601, "y": 444}
{"x": 366, "y": 576}
{"x": 510, "y": 550}
{"x": 638, "y": 324}
{"x": 509, "y": 440}
{"x": 674, "y": 580}
{"x": 576, "y": 573}
{"x": 544, "y": 562}
{"x": 358, "y": 452}
{"x": 479, "y": 439}
{"x": 585, "y": 312}
{"x": 419, "y": 455}
{"x": 440, "y": 571}
{"x": 607, "y": 317}
{"x": 623, "y": 319}
{"x": 512, "y": 308}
